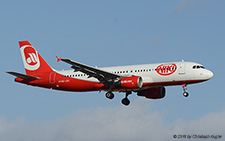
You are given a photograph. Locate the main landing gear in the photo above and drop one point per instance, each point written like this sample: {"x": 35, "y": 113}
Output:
{"x": 125, "y": 101}
{"x": 185, "y": 94}
{"x": 109, "y": 95}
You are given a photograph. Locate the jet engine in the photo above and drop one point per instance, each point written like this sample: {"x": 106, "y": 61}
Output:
{"x": 132, "y": 82}
{"x": 153, "y": 93}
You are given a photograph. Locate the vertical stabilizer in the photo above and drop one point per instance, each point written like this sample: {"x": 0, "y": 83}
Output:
{"x": 32, "y": 60}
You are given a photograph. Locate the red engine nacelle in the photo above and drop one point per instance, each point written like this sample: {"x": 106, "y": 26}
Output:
{"x": 132, "y": 82}
{"x": 153, "y": 93}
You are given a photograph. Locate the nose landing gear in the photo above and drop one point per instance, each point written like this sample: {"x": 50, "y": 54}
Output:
{"x": 185, "y": 94}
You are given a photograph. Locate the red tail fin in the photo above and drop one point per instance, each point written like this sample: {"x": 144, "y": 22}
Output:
{"x": 32, "y": 60}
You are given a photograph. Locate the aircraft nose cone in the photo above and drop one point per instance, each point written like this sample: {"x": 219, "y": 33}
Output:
{"x": 209, "y": 74}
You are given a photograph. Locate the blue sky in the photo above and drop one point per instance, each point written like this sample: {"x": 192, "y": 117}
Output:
{"x": 111, "y": 33}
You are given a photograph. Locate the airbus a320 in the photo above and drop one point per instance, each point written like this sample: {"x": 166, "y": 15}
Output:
{"x": 148, "y": 80}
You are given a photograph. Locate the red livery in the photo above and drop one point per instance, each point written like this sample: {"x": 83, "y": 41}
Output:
{"x": 148, "y": 80}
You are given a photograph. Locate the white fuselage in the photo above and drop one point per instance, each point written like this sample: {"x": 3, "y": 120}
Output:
{"x": 185, "y": 72}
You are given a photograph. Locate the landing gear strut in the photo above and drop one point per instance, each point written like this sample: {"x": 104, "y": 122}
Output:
{"x": 109, "y": 94}
{"x": 185, "y": 94}
{"x": 126, "y": 101}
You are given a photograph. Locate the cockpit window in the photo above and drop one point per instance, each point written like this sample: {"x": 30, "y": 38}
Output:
{"x": 198, "y": 67}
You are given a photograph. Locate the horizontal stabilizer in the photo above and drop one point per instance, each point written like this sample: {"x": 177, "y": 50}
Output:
{"x": 23, "y": 76}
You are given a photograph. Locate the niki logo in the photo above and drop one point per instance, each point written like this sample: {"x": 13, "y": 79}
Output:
{"x": 30, "y": 57}
{"x": 166, "y": 69}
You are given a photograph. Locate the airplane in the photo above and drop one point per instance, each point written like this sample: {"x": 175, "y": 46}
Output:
{"x": 148, "y": 80}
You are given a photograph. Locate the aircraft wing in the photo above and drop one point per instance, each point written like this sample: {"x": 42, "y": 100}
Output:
{"x": 101, "y": 75}
{"x": 23, "y": 76}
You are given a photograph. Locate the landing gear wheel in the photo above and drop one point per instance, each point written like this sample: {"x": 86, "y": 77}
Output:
{"x": 109, "y": 95}
{"x": 185, "y": 94}
{"x": 125, "y": 101}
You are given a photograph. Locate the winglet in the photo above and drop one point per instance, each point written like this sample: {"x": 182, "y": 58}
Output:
{"x": 58, "y": 58}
